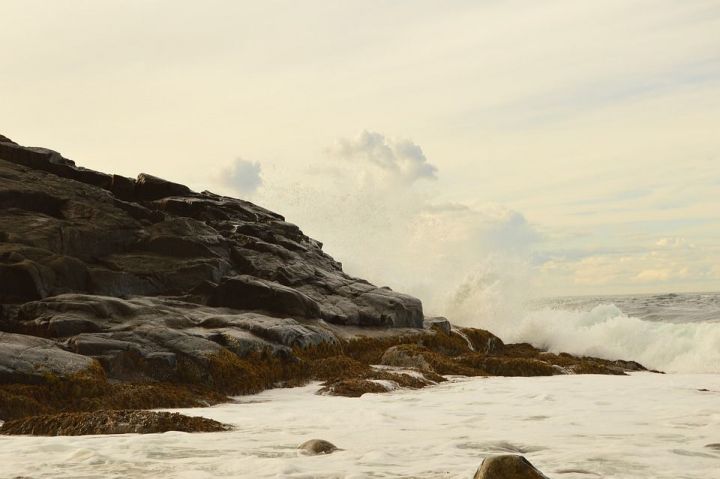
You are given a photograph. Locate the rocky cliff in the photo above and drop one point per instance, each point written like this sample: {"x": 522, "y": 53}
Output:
{"x": 119, "y": 292}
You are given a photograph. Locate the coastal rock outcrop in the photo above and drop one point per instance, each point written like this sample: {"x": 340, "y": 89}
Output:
{"x": 66, "y": 229}
{"x": 120, "y": 293}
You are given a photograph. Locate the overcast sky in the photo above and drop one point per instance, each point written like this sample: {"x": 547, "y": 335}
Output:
{"x": 429, "y": 145}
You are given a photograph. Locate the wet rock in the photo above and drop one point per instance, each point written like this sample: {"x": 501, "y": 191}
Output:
{"x": 109, "y": 422}
{"x": 483, "y": 341}
{"x": 31, "y": 360}
{"x": 403, "y": 357}
{"x": 148, "y": 187}
{"x": 314, "y": 447}
{"x": 353, "y": 388}
{"x": 438, "y": 323}
{"x": 507, "y": 466}
{"x": 246, "y": 292}
{"x": 21, "y": 281}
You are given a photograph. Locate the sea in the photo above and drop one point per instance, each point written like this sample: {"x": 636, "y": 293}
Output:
{"x": 644, "y": 425}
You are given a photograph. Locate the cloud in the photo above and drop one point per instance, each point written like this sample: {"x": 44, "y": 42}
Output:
{"x": 670, "y": 263}
{"x": 244, "y": 176}
{"x": 674, "y": 242}
{"x": 397, "y": 158}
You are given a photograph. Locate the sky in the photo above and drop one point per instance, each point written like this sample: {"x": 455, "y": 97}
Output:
{"x": 558, "y": 147}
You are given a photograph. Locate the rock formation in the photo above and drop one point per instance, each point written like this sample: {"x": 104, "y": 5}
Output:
{"x": 121, "y": 293}
{"x": 109, "y": 422}
{"x": 508, "y": 466}
{"x": 314, "y": 447}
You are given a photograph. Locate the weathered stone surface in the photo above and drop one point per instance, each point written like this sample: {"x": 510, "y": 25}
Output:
{"x": 438, "y": 323}
{"x": 109, "y": 422}
{"x": 31, "y": 360}
{"x": 249, "y": 293}
{"x": 507, "y": 466}
{"x": 314, "y": 447}
{"x": 148, "y": 187}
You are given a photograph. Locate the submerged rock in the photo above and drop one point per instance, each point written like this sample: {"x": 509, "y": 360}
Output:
{"x": 508, "y": 466}
{"x": 109, "y": 422}
{"x": 315, "y": 447}
{"x": 353, "y": 388}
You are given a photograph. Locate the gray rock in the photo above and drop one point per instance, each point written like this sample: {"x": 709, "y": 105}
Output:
{"x": 507, "y": 466}
{"x": 31, "y": 360}
{"x": 438, "y": 323}
{"x": 148, "y": 277}
{"x": 148, "y": 187}
{"x": 315, "y": 447}
{"x": 246, "y": 292}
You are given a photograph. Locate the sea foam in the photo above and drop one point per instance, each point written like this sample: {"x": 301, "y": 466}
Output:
{"x": 602, "y": 330}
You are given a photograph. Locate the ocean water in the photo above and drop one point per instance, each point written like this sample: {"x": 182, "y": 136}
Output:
{"x": 644, "y": 425}
{"x": 574, "y": 427}
{"x": 671, "y": 307}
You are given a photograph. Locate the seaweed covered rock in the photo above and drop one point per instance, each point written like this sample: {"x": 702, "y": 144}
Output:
{"x": 109, "y": 422}
{"x": 354, "y": 387}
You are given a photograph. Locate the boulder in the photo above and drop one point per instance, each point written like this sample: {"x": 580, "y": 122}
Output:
{"x": 438, "y": 323}
{"x": 314, "y": 447}
{"x": 483, "y": 341}
{"x": 508, "y": 466}
{"x": 148, "y": 187}
{"x": 353, "y": 388}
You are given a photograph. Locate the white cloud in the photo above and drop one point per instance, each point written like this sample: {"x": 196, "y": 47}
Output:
{"x": 244, "y": 177}
{"x": 395, "y": 158}
{"x": 674, "y": 242}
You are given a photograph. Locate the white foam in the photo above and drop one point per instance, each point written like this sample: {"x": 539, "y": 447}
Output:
{"x": 606, "y": 332}
{"x": 499, "y": 303}
{"x": 641, "y": 426}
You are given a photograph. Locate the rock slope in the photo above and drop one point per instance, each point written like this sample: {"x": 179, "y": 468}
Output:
{"x": 134, "y": 293}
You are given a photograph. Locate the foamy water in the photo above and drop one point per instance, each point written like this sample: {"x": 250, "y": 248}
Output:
{"x": 672, "y": 333}
{"x": 642, "y": 426}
